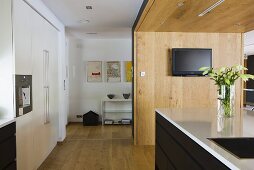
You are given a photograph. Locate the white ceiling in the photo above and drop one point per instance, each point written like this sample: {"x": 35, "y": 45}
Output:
{"x": 108, "y": 18}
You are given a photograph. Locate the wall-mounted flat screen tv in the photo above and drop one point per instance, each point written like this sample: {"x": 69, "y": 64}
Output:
{"x": 187, "y": 61}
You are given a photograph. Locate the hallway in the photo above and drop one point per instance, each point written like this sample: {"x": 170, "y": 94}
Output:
{"x": 99, "y": 148}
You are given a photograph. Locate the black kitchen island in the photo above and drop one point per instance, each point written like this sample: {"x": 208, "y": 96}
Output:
{"x": 182, "y": 139}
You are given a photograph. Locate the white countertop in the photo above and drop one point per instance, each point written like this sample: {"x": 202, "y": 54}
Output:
{"x": 200, "y": 124}
{"x": 6, "y": 121}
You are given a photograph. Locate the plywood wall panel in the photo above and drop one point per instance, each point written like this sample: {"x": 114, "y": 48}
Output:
{"x": 182, "y": 16}
{"x": 145, "y": 103}
{"x": 144, "y": 13}
{"x": 160, "y": 89}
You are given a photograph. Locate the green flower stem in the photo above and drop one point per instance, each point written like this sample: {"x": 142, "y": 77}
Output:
{"x": 225, "y": 101}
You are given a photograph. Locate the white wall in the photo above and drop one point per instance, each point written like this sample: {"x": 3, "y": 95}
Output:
{"x": 75, "y": 59}
{"x": 85, "y": 96}
{"x": 6, "y": 60}
{"x": 39, "y": 6}
{"x": 249, "y": 43}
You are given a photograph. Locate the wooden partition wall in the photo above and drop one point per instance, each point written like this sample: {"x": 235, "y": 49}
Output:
{"x": 158, "y": 88}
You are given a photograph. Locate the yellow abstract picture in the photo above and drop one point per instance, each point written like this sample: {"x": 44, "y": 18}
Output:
{"x": 128, "y": 71}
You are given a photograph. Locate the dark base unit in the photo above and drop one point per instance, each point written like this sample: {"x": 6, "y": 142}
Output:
{"x": 12, "y": 166}
{"x": 8, "y": 147}
{"x": 250, "y": 96}
{"x": 175, "y": 150}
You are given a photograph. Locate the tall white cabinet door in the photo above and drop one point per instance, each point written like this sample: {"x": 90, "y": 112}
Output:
{"x": 52, "y": 46}
{"x": 44, "y": 52}
{"x": 6, "y": 59}
{"x": 22, "y": 37}
{"x": 48, "y": 131}
{"x": 38, "y": 34}
{"x": 23, "y": 65}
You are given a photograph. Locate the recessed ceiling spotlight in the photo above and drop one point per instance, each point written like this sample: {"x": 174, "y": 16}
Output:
{"x": 91, "y": 33}
{"x": 211, "y": 8}
{"x": 84, "y": 21}
{"x": 237, "y": 24}
{"x": 89, "y": 7}
{"x": 180, "y": 4}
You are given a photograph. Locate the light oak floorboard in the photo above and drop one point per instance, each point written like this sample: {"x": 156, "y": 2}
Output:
{"x": 99, "y": 148}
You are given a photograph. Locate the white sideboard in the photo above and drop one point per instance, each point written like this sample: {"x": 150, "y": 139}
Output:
{"x": 119, "y": 107}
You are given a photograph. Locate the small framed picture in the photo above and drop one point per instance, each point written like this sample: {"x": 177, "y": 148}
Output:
{"x": 113, "y": 71}
{"x": 94, "y": 71}
{"x": 128, "y": 71}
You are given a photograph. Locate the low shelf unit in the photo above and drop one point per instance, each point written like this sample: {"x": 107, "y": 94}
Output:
{"x": 120, "y": 108}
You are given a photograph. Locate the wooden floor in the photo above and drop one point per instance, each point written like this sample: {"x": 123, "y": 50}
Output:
{"x": 99, "y": 148}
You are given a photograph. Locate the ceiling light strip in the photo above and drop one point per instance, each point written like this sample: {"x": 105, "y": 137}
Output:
{"x": 211, "y": 8}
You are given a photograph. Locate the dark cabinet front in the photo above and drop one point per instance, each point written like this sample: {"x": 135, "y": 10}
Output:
{"x": 175, "y": 150}
{"x": 8, "y": 147}
{"x": 162, "y": 161}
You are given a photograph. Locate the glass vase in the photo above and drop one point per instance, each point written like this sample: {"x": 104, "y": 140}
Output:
{"x": 226, "y": 100}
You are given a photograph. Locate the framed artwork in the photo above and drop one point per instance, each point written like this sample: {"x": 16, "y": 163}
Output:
{"x": 94, "y": 71}
{"x": 113, "y": 71}
{"x": 128, "y": 71}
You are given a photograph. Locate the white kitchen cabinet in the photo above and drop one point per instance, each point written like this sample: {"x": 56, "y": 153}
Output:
{"x": 44, "y": 41}
{"x": 6, "y": 60}
{"x": 23, "y": 65}
{"x": 37, "y": 53}
{"x": 40, "y": 135}
{"x": 46, "y": 134}
{"x": 22, "y": 26}
{"x": 24, "y": 140}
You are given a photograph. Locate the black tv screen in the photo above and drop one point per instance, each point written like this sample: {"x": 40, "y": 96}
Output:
{"x": 187, "y": 61}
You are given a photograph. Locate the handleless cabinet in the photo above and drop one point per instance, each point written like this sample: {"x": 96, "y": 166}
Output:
{"x": 22, "y": 34}
{"x": 175, "y": 150}
{"x": 8, "y": 147}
